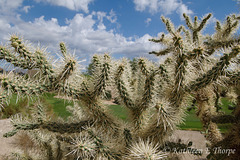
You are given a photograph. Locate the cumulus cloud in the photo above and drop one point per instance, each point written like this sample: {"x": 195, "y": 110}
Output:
{"x": 8, "y": 6}
{"x": 76, "y": 5}
{"x": 164, "y": 6}
{"x": 100, "y": 16}
{"x": 184, "y": 9}
{"x": 86, "y": 34}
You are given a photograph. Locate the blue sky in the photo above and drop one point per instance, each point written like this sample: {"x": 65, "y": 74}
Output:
{"x": 119, "y": 27}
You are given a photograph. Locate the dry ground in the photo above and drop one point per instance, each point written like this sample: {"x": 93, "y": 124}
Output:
{"x": 6, "y": 144}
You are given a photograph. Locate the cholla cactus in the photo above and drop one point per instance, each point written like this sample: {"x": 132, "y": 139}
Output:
{"x": 197, "y": 70}
{"x": 155, "y": 94}
{"x": 145, "y": 150}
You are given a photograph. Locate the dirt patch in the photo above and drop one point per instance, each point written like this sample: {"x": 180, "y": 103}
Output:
{"x": 6, "y": 146}
{"x": 199, "y": 142}
{"x": 107, "y": 102}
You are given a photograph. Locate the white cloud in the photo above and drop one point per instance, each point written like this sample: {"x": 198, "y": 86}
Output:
{"x": 212, "y": 20}
{"x": 80, "y": 23}
{"x": 112, "y": 17}
{"x": 84, "y": 34}
{"x": 76, "y": 5}
{"x": 164, "y": 6}
{"x": 8, "y": 6}
{"x": 100, "y": 16}
{"x": 184, "y": 9}
{"x": 147, "y": 21}
{"x": 26, "y": 8}
{"x": 141, "y": 5}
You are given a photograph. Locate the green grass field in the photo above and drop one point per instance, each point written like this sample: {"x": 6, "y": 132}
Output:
{"x": 55, "y": 105}
{"x": 58, "y": 107}
{"x": 192, "y": 122}
{"x": 16, "y": 105}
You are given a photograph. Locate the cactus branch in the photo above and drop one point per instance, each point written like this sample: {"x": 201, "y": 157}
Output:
{"x": 101, "y": 82}
{"x": 123, "y": 93}
{"x": 63, "y": 49}
{"x": 10, "y": 57}
{"x": 51, "y": 126}
{"x": 215, "y": 72}
{"x": 163, "y": 52}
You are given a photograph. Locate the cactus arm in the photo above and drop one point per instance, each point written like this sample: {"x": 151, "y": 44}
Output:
{"x": 179, "y": 76}
{"x": 69, "y": 68}
{"x": 195, "y": 27}
{"x": 218, "y": 26}
{"x": 234, "y": 78}
{"x": 20, "y": 48}
{"x": 90, "y": 99}
{"x": 127, "y": 137}
{"x": 187, "y": 35}
{"x": 177, "y": 47}
{"x": 216, "y": 44}
{"x": 123, "y": 93}
{"x": 9, "y": 57}
{"x": 44, "y": 65}
{"x": 37, "y": 57}
{"x": 63, "y": 49}
{"x": 224, "y": 31}
{"x": 169, "y": 25}
{"x": 163, "y": 52}
{"x": 188, "y": 21}
{"x": 161, "y": 40}
{"x": 203, "y": 23}
{"x": 51, "y": 126}
{"x": 71, "y": 91}
{"x": 230, "y": 26}
{"x": 149, "y": 87}
{"x": 103, "y": 149}
{"x": 102, "y": 118}
{"x": 148, "y": 91}
{"x": 101, "y": 82}
{"x": 3, "y": 99}
{"x": 162, "y": 125}
{"x": 145, "y": 101}
{"x": 19, "y": 85}
{"x": 215, "y": 72}
{"x": 143, "y": 67}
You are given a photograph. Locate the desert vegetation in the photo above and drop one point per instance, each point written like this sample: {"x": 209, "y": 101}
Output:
{"x": 197, "y": 69}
